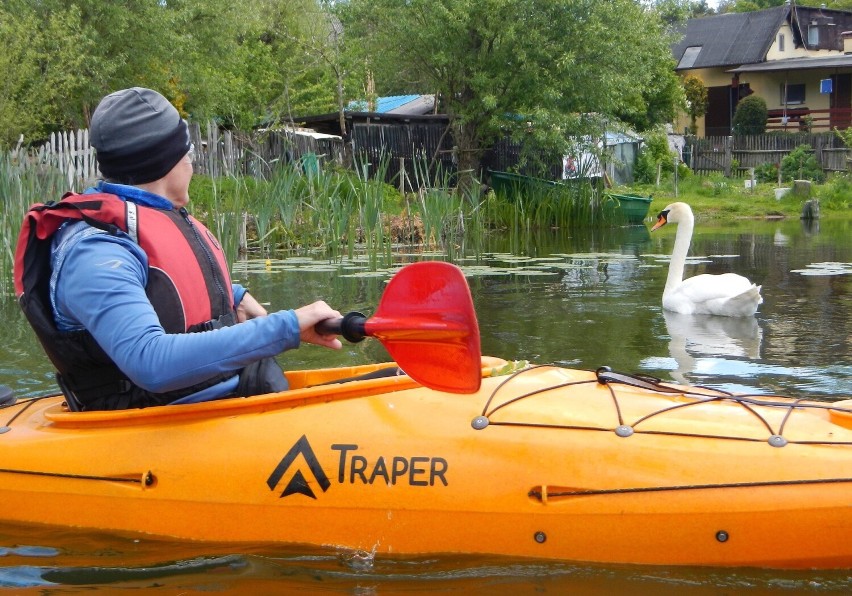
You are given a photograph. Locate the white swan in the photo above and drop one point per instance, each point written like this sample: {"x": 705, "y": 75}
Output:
{"x": 728, "y": 294}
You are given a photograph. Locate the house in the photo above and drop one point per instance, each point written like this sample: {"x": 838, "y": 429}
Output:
{"x": 797, "y": 58}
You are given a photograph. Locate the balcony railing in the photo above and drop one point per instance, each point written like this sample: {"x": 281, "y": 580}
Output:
{"x": 806, "y": 120}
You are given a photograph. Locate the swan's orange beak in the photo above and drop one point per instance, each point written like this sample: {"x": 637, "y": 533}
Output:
{"x": 662, "y": 219}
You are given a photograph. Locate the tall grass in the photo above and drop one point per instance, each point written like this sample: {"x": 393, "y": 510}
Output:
{"x": 23, "y": 181}
{"x": 446, "y": 215}
{"x": 298, "y": 206}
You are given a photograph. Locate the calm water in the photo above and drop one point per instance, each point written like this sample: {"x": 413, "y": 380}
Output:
{"x": 582, "y": 300}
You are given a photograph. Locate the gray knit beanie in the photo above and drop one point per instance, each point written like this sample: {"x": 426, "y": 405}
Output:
{"x": 138, "y": 136}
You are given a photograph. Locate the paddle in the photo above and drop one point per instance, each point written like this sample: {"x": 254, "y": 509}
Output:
{"x": 425, "y": 320}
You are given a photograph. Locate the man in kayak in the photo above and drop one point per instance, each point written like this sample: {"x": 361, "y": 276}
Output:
{"x": 130, "y": 295}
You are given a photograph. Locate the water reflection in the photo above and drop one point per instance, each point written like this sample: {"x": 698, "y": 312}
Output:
{"x": 112, "y": 564}
{"x": 694, "y": 337}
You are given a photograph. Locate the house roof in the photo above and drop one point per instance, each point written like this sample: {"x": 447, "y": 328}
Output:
{"x": 835, "y": 61}
{"x": 729, "y": 39}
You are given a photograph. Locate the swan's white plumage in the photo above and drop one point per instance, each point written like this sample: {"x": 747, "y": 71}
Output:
{"x": 728, "y": 294}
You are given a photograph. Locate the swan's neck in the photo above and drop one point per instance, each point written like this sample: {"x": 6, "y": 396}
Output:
{"x": 681, "y": 248}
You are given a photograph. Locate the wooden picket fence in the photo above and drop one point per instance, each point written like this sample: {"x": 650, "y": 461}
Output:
{"x": 234, "y": 153}
{"x": 218, "y": 152}
{"x": 736, "y": 155}
{"x": 71, "y": 153}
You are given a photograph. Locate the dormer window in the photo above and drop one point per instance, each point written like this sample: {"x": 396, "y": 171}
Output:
{"x": 690, "y": 55}
{"x": 813, "y": 34}
{"x": 780, "y": 42}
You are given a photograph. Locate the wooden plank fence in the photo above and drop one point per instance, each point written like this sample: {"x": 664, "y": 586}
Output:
{"x": 413, "y": 148}
{"x": 736, "y": 155}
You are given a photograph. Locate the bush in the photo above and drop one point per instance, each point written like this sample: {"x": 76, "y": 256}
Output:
{"x": 751, "y": 116}
{"x": 766, "y": 172}
{"x": 645, "y": 169}
{"x": 653, "y": 153}
{"x": 801, "y": 164}
{"x": 836, "y": 193}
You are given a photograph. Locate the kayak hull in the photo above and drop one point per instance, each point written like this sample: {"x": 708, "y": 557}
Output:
{"x": 547, "y": 463}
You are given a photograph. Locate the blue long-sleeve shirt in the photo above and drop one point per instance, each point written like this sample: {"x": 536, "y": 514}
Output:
{"x": 98, "y": 284}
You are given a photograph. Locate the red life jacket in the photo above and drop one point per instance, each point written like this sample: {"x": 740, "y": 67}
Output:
{"x": 188, "y": 286}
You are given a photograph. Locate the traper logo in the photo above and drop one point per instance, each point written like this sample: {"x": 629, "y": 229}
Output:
{"x": 298, "y": 483}
{"x": 354, "y": 468}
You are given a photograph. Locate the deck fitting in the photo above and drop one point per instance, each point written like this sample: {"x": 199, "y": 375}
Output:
{"x": 479, "y": 422}
{"x": 777, "y": 441}
{"x": 624, "y": 430}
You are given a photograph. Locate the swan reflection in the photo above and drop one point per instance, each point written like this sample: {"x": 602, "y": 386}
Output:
{"x": 696, "y": 338}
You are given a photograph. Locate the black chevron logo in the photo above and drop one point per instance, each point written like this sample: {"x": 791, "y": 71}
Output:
{"x": 298, "y": 484}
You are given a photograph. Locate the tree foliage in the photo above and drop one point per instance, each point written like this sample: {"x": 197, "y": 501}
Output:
{"x": 519, "y": 67}
{"x": 696, "y": 100}
{"x": 242, "y": 62}
{"x": 801, "y": 164}
{"x": 676, "y": 12}
{"x": 751, "y": 116}
{"x": 542, "y": 70}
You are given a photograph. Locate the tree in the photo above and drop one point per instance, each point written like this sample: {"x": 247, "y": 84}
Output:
{"x": 675, "y": 12}
{"x": 801, "y": 164}
{"x": 241, "y": 62}
{"x": 751, "y": 116}
{"x": 514, "y": 66}
{"x": 750, "y": 5}
{"x": 44, "y": 70}
{"x": 285, "y": 63}
{"x": 696, "y": 101}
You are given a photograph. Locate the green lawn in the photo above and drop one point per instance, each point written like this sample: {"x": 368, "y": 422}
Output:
{"x": 717, "y": 197}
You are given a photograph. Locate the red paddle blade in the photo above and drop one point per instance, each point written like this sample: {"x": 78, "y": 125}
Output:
{"x": 426, "y": 322}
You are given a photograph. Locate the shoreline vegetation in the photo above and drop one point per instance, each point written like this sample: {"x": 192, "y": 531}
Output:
{"x": 336, "y": 211}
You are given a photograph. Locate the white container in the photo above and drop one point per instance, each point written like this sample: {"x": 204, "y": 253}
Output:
{"x": 780, "y": 192}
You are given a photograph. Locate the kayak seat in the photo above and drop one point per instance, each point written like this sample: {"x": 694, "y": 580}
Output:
{"x": 70, "y": 399}
{"x": 73, "y": 404}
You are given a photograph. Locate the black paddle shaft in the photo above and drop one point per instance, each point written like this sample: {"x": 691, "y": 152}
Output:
{"x": 351, "y": 326}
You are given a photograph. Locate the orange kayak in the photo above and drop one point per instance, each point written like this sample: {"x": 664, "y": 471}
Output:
{"x": 542, "y": 462}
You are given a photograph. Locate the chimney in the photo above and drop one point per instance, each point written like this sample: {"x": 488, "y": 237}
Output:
{"x": 847, "y": 42}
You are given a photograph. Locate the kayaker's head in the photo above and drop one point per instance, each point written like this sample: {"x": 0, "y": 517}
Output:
{"x": 140, "y": 139}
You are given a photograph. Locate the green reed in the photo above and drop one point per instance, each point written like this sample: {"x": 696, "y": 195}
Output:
{"x": 370, "y": 195}
{"x": 331, "y": 203}
{"x": 445, "y": 213}
{"x": 218, "y": 202}
{"x": 24, "y": 180}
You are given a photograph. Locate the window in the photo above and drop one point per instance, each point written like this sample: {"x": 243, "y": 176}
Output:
{"x": 813, "y": 35}
{"x": 690, "y": 55}
{"x": 780, "y": 42}
{"x": 795, "y": 93}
